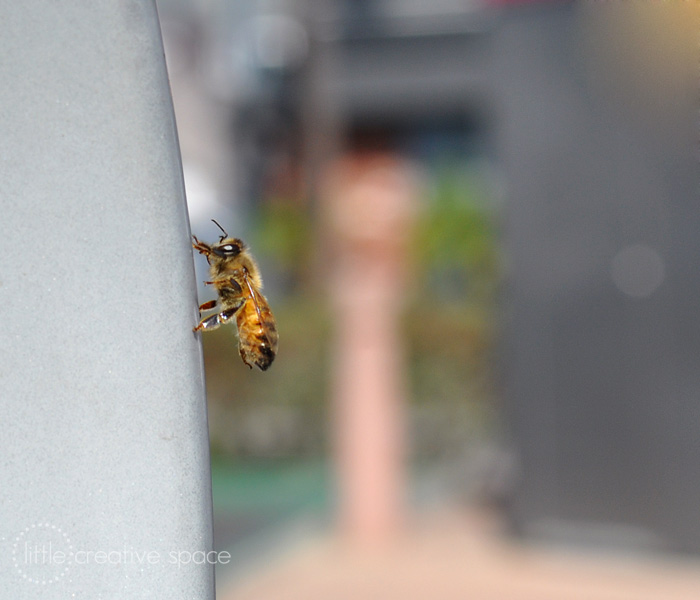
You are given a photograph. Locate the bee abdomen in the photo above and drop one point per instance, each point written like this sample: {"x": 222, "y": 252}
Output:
{"x": 258, "y": 350}
{"x": 265, "y": 357}
{"x": 257, "y": 338}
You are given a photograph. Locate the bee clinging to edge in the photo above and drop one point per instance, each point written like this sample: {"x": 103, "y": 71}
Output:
{"x": 237, "y": 280}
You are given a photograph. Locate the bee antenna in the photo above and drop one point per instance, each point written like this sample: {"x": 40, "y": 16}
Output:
{"x": 222, "y": 229}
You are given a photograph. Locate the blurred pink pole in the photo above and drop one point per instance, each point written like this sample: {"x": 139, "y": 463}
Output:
{"x": 369, "y": 204}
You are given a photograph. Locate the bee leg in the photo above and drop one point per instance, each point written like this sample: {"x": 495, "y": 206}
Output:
{"x": 234, "y": 286}
{"x": 201, "y": 247}
{"x": 216, "y": 320}
{"x": 244, "y": 357}
{"x": 207, "y": 305}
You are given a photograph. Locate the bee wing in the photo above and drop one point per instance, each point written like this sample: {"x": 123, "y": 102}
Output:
{"x": 265, "y": 318}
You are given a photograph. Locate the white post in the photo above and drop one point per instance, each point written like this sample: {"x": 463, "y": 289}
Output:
{"x": 106, "y": 489}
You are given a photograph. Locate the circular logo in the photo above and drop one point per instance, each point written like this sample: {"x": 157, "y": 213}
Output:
{"x": 42, "y": 553}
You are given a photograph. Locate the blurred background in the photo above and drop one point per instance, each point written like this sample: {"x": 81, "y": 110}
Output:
{"x": 477, "y": 223}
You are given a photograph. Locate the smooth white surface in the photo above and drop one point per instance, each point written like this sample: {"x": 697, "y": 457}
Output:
{"x": 104, "y": 457}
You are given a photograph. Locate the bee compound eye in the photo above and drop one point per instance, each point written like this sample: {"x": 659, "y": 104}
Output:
{"x": 228, "y": 250}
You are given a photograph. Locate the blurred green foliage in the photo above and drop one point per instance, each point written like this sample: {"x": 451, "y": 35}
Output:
{"x": 456, "y": 247}
{"x": 451, "y": 317}
{"x": 284, "y": 233}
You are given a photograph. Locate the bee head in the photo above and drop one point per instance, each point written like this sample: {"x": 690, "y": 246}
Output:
{"x": 228, "y": 248}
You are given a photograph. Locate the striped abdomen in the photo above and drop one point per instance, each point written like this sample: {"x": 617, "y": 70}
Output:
{"x": 257, "y": 332}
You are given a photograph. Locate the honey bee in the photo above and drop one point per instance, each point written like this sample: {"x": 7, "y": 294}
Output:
{"x": 237, "y": 280}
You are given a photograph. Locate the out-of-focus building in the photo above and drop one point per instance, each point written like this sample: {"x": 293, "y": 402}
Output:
{"x": 598, "y": 139}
